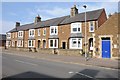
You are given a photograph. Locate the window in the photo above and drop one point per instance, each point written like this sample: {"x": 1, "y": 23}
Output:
{"x": 31, "y": 43}
{"x": 12, "y": 43}
{"x": 76, "y": 28}
{"x": 53, "y": 43}
{"x": 53, "y": 30}
{"x": 20, "y": 33}
{"x": 38, "y": 32}
{"x": 8, "y": 35}
{"x": 76, "y": 43}
{"x": 44, "y": 31}
{"x": 13, "y": 35}
{"x": 20, "y": 43}
{"x": 31, "y": 32}
{"x": 91, "y": 26}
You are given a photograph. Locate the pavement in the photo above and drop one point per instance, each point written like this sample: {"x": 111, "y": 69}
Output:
{"x": 16, "y": 66}
{"x": 79, "y": 60}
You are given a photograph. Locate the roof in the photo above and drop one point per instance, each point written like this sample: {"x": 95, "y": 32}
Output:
{"x": 2, "y": 37}
{"x": 90, "y": 15}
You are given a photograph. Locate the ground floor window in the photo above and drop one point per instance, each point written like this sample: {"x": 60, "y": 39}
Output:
{"x": 8, "y": 43}
{"x": 31, "y": 43}
{"x": 75, "y": 43}
{"x": 20, "y": 43}
{"x": 53, "y": 43}
{"x": 13, "y": 44}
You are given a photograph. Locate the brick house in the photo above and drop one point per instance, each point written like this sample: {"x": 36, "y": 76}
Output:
{"x": 65, "y": 32}
{"x": 107, "y": 38}
{"x": 2, "y": 40}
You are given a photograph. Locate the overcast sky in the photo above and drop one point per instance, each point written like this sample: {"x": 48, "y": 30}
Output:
{"x": 25, "y": 12}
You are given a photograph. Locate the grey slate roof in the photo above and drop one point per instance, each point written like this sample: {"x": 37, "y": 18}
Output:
{"x": 2, "y": 37}
{"x": 90, "y": 15}
{"x": 76, "y": 35}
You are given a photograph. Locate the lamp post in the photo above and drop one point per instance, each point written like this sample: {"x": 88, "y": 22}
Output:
{"x": 85, "y": 33}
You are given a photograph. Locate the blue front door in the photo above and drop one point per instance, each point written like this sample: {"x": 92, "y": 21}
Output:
{"x": 106, "y": 49}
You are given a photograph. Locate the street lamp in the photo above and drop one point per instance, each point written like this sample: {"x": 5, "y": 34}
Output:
{"x": 85, "y": 33}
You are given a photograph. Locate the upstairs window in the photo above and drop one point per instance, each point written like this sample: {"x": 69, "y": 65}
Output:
{"x": 31, "y": 32}
{"x": 8, "y": 35}
{"x": 20, "y": 33}
{"x": 38, "y": 32}
{"x": 53, "y": 30}
{"x": 76, "y": 28}
{"x": 91, "y": 26}
{"x": 44, "y": 31}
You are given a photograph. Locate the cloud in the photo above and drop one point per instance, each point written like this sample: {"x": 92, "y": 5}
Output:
{"x": 50, "y": 13}
{"x": 6, "y": 26}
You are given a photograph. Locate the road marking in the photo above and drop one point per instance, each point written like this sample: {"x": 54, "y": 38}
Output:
{"x": 70, "y": 72}
{"x": 26, "y": 62}
{"x": 84, "y": 75}
{"x": 64, "y": 61}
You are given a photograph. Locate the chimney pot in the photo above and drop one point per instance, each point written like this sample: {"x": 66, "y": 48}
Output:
{"x": 74, "y": 11}
{"x": 17, "y": 24}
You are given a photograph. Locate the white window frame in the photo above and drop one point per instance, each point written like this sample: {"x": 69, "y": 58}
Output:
{"x": 13, "y": 35}
{"x": 13, "y": 43}
{"x": 19, "y": 42}
{"x": 76, "y": 46}
{"x": 38, "y": 32}
{"x": 8, "y": 35}
{"x": 53, "y": 43}
{"x": 31, "y": 31}
{"x": 20, "y": 34}
{"x": 32, "y": 42}
{"x": 54, "y": 27}
{"x": 91, "y": 26}
{"x": 76, "y": 25}
{"x": 7, "y": 43}
{"x": 44, "y": 31}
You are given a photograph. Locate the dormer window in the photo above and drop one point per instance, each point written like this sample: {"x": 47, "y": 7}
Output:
{"x": 76, "y": 28}
{"x": 91, "y": 26}
{"x": 31, "y": 32}
{"x": 53, "y": 30}
{"x": 20, "y": 33}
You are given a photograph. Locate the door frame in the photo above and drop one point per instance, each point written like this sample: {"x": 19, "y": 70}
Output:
{"x": 100, "y": 44}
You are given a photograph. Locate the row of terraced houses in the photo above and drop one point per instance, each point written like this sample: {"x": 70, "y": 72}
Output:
{"x": 68, "y": 32}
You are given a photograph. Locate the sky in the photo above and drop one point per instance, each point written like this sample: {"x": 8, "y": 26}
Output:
{"x": 25, "y": 12}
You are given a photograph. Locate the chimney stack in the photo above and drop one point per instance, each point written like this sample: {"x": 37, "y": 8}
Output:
{"x": 74, "y": 11}
{"x": 17, "y": 24}
{"x": 37, "y": 19}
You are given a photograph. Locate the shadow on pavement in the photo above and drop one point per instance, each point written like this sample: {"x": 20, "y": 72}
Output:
{"x": 86, "y": 74}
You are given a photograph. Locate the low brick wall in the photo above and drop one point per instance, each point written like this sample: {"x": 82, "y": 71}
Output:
{"x": 67, "y": 52}
{"x": 19, "y": 49}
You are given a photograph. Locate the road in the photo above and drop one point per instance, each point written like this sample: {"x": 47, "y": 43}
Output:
{"x": 14, "y": 66}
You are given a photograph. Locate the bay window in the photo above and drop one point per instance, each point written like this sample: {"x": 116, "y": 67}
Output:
{"x": 75, "y": 43}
